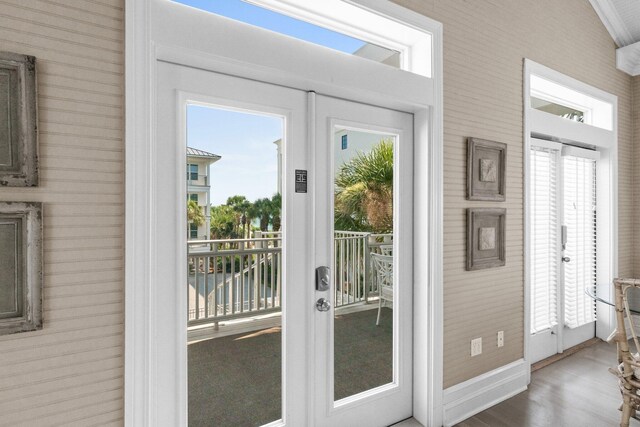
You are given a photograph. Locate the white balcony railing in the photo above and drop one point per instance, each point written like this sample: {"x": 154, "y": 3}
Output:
{"x": 236, "y": 278}
{"x": 200, "y": 180}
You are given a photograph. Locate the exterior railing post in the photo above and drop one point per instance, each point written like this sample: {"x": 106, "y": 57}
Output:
{"x": 367, "y": 269}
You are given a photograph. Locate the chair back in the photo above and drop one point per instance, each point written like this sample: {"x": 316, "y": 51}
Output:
{"x": 383, "y": 266}
{"x": 628, "y": 364}
{"x": 386, "y": 249}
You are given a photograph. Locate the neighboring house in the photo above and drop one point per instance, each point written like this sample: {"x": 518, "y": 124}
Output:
{"x": 379, "y": 54}
{"x": 199, "y": 188}
{"x": 348, "y": 143}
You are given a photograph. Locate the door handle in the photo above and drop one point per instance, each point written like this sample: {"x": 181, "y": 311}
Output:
{"x": 566, "y": 259}
{"x": 323, "y": 305}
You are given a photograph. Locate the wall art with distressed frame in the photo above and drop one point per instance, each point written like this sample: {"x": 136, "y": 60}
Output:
{"x": 20, "y": 267}
{"x": 485, "y": 238}
{"x": 19, "y": 121}
{"x": 486, "y": 165}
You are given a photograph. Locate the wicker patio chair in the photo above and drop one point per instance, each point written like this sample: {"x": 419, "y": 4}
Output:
{"x": 628, "y": 370}
{"x": 383, "y": 265}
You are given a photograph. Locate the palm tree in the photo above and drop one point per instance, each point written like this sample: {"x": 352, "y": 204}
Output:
{"x": 276, "y": 206}
{"x": 264, "y": 209}
{"x": 364, "y": 191}
{"x": 223, "y": 222}
{"x": 195, "y": 215}
{"x": 239, "y": 204}
{"x": 251, "y": 213}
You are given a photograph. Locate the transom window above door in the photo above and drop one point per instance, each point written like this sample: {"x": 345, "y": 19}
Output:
{"x": 334, "y": 24}
{"x": 562, "y": 101}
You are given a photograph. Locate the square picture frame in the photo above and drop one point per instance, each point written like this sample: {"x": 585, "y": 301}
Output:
{"x": 486, "y": 229}
{"x": 19, "y": 131}
{"x": 20, "y": 267}
{"x": 486, "y": 166}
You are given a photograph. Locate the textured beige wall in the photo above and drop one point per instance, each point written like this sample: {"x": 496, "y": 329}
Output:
{"x": 484, "y": 46}
{"x": 71, "y": 373}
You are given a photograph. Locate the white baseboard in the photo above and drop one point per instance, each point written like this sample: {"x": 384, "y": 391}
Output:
{"x": 477, "y": 394}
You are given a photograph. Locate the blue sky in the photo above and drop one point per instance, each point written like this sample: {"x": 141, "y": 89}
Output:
{"x": 249, "y": 164}
{"x": 264, "y": 18}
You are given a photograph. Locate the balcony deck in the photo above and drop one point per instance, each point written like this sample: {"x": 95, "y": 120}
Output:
{"x": 235, "y": 380}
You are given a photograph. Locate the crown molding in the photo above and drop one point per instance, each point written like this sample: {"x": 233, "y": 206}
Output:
{"x": 628, "y": 59}
{"x": 611, "y": 19}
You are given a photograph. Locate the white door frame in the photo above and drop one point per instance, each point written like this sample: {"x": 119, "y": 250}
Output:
{"x": 606, "y": 143}
{"x": 155, "y": 32}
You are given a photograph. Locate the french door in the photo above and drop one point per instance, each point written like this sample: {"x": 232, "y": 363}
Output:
{"x": 562, "y": 247}
{"x": 282, "y": 322}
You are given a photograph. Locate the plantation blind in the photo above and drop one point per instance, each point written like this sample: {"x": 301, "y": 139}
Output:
{"x": 544, "y": 251}
{"x": 579, "y": 211}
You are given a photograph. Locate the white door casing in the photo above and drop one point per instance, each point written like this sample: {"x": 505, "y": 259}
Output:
{"x": 159, "y": 30}
{"x": 604, "y": 140}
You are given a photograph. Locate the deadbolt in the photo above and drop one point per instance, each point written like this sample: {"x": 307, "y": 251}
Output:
{"x": 323, "y": 278}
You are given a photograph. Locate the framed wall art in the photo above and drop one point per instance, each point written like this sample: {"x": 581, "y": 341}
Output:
{"x": 485, "y": 238}
{"x": 19, "y": 124}
{"x": 20, "y": 267}
{"x": 486, "y": 165}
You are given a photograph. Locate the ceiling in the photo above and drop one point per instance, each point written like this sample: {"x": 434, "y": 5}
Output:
{"x": 622, "y": 20}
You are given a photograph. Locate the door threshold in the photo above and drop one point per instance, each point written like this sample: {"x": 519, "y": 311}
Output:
{"x": 568, "y": 352}
{"x": 409, "y": 422}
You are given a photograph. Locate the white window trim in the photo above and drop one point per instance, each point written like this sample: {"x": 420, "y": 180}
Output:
{"x": 606, "y": 143}
{"x": 339, "y": 16}
{"x": 144, "y": 48}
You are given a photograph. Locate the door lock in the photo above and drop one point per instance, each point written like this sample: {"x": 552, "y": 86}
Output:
{"x": 323, "y": 305}
{"x": 323, "y": 278}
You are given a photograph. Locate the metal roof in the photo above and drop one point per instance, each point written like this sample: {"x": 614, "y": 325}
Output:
{"x": 194, "y": 152}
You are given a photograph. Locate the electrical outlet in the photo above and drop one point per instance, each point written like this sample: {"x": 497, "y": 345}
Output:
{"x": 500, "y": 338}
{"x": 476, "y": 347}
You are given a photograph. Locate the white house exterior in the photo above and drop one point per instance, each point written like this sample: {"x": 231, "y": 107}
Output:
{"x": 199, "y": 188}
{"x": 348, "y": 143}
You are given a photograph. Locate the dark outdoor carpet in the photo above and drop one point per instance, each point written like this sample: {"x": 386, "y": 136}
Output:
{"x": 363, "y": 352}
{"x": 235, "y": 381}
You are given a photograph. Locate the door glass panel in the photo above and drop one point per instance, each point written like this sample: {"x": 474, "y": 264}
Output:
{"x": 543, "y": 244}
{"x": 235, "y": 271}
{"x": 580, "y": 221}
{"x": 363, "y": 260}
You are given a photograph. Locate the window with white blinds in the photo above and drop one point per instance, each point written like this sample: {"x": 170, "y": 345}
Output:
{"x": 544, "y": 251}
{"x": 579, "y": 212}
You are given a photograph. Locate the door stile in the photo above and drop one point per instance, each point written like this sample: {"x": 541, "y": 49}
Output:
{"x": 312, "y": 358}
{"x": 560, "y": 327}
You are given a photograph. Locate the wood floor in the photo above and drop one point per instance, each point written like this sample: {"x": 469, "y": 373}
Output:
{"x": 574, "y": 392}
